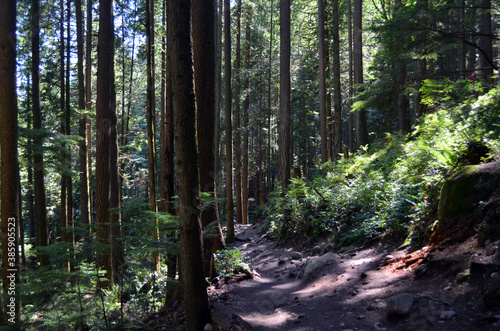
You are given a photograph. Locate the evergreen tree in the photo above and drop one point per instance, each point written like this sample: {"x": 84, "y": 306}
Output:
{"x": 191, "y": 247}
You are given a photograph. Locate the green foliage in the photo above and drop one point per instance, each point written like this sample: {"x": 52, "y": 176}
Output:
{"x": 229, "y": 261}
{"x": 57, "y": 300}
{"x": 393, "y": 186}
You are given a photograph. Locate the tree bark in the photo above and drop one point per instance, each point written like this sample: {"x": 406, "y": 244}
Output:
{"x": 460, "y": 41}
{"x": 218, "y": 99}
{"x": 9, "y": 163}
{"x": 284, "y": 126}
{"x": 269, "y": 185}
{"x": 68, "y": 116}
{"x": 237, "y": 117}
{"x": 40, "y": 197}
{"x": 246, "y": 106}
{"x": 420, "y": 70}
{"x": 84, "y": 211}
{"x": 62, "y": 105}
{"x": 337, "y": 91}
{"x": 361, "y": 116}
{"x": 203, "y": 25}
{"x": 85, "y": 127}
{"x": 150, "y": 116}
{"x": 104, "y": 111}
{"x": 117, "y": 248}
{"x": 351, "y": 77}
{"x": 229, "y": 129}
{"x": 168, "y": 175}
{"x": 486, "y": 41}
{"x": 195, "y": 294}
{"x": 322, "y": 82}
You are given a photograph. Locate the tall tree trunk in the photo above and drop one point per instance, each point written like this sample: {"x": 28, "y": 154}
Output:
{"x": 328, "y": 82}
{"x": 195, "y": 293}
{"x": 351, "y": 77}
{"x": 85, "y": 127}
{"x": 461, "y": 38}
{"x": 261, "y": 141}
{"x": 203, "y": 25}
{"x": 162, "y": 206}
{"x": 269, "y": 93}
{"x": 168, "y": 174}
{"x": 104, "y": 110}
{"x": 9, "y": 163}
{"x": 150, "y": 115}
{"x": 218, "y": 99}
{"x": 284, "y": 126}
{"x": 62, "y": 105}
{"x": 229, "y": 126}
{"x": 84, "y": 210}
{"x": 126, "y": 128}
{"x": 337, "y": 91}
{"x": 420, "y": 70}
{"x": 237, "y": 117}
{"x": 361, "y": 116}
{"x": 117, "y": 248}
{"x": 323, "y": 121}
{"x": 400, "y": 83}
{"x": 40, "y": 198}
{"x": 486, "y": 42}
{"x": 246, "y": 106}
{"x": 471, "y": 26}
{"x": 29, "y": 192}
{"x": 68, "y": 116}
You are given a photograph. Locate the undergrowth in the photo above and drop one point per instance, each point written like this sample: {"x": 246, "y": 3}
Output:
{"x": 391, "y": 188}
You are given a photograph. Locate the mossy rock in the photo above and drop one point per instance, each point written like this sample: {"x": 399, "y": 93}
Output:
{"x": 468, "y": 197}
{"x": 462, "y": 193}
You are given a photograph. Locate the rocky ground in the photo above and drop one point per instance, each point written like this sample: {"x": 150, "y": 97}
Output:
{"x": 371, "y": 288}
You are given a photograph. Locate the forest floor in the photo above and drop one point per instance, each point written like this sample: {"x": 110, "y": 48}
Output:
{"x": 350, "y": 292}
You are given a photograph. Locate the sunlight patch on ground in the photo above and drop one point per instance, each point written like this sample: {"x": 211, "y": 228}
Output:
{"x": 277, "y": 319}
{"x": 356, "y": 262}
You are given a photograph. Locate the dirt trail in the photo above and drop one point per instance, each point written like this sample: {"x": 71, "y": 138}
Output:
{"x": 348, "y": 294}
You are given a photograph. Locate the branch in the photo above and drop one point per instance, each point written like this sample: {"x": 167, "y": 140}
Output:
{"x": 322, "y": 197}
{"x": 450, "y": 35}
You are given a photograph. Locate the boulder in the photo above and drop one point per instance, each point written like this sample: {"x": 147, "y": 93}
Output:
{"x": 468, "y": 198}
{"x": 318, "y": 250}
{"x": 316, "y": 263}
{"x": 399, "y": 304}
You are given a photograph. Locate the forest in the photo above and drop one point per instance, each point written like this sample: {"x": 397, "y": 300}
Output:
{"x": 139, "y": 137}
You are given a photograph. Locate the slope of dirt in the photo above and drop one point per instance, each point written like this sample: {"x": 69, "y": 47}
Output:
{"x": 350, "y": 293}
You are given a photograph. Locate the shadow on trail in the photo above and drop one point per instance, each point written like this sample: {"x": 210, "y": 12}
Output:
{"x": 349, "y": 293}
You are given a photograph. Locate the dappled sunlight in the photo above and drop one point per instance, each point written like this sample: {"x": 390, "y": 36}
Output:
{"x": 278, "y": 318}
